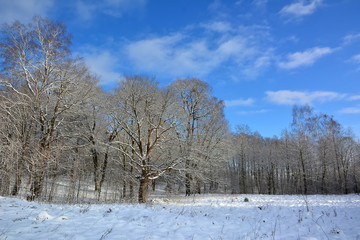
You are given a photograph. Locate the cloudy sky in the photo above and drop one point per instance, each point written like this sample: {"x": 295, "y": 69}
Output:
{"x": 260, "y": 56}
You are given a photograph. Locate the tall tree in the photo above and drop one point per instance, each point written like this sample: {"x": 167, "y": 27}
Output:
{"x": 200, "y": 127}
{"x": 144, "y": 115}
{"x": 46, "y": 81}
{"x": 303, "y": 125}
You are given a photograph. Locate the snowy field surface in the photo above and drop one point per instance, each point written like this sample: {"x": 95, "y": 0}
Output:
{"x": 199, "y": 217}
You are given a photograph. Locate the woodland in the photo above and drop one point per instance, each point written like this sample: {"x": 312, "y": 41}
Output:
{"x": 64, "y": 139}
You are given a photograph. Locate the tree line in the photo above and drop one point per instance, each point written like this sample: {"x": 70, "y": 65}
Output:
{"x": 64, "y": 138}
{"x": 315, "y": 156}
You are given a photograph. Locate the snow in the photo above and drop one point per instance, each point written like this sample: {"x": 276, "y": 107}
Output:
{"x": 196, "y": 217}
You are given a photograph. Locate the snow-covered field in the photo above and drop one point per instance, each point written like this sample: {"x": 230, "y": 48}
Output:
{"x": 199, "y": 217}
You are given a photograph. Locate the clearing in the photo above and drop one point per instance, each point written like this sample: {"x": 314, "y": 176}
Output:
{"x": 197, "y": 217}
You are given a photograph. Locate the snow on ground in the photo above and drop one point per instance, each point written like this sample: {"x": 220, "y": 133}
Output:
{"x": 198, "y": 217}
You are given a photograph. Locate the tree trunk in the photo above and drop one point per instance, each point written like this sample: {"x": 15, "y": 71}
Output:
{"x": 153, "y": 184}
{"x": 198, "y": 186}
{"x": 102, "y": 174}
{"x": 124, "y": 180}
{"x": 131, "y": 184}
{"x": 25, "y": 147}
{"x": 18, "y": 174}
{"x": 95, "y": 157}
{"x": 143, "y": 190}
{"x": 243, "y": 174}
{"x": 302, "y": 161}
{"x": 17, "y": 183}
{"x": 36, "y": 187}
{"x": 187, "y": 179}
{"x": 52, "y": 188}
{"x": 356, "y": 187}
{"x": 324, "y": 173}
{"x": 346, "y": 187}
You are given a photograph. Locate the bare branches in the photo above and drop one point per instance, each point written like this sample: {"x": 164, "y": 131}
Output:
{"x": 40, "y": 76}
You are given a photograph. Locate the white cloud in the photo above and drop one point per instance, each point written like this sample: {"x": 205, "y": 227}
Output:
{"x": 260, "y": 63}
{"x": 354, "y": 98}
{"x": 305, "y": 58}
{"x": 301, "y": 8}
{"x": 351, "y": 38}
{"x": 350, "y": 110}
{"x": 23, "y": 10}
{"x": 236, "y": 47}
{"x": 355, "y": 60}
{"x": 102, "y": 62}
{"x": 116, "y": 8}
{"x": 172, "y": 54}
{"x": 252, "y": 112}
{"x": 179, "y": 55}
{"x": 85, "y": 10}
{"x": 218, "y": 26}
{"x": 239, "y": 102}
{"x": 287, "y": 97}
{"x": 260, "y": 3}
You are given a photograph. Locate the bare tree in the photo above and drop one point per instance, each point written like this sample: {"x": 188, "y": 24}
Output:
{"x": 40, "y": 73}
{"x": 303, "y": 126}
{"x": 200, "y": 130}
{"x": 144, "y": 115}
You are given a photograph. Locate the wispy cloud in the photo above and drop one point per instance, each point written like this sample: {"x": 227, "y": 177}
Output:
{"x": 23, "y": 10}
{"x": 259, "y": 3}
{"x": 239, "y": 102}
{"x": 218, "y": 26}
{"x": 350, "y": 38}
{"x": 259, "y": 64}
{"x": 301, "y": 8}
{"x": 350, "y": 110}
{"x": 117, "y": 8}
{"x": 356, "y": 60}
{"x": 354, "y": 98}
{"x": 87, "y": 10}
{"x": 171, "y": 54}
{"x": 287, "y": 97}
{"x": 252, "y": 112}
{"x": 102, "y": 62}
{"x": 180, "y": 55}
{"x": 305, "y": 58}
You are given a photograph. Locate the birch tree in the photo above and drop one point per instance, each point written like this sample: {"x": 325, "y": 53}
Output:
{"x": 46, "y": 81}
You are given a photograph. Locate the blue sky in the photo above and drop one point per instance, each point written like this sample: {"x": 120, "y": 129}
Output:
{"x": 260, "y": 56}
